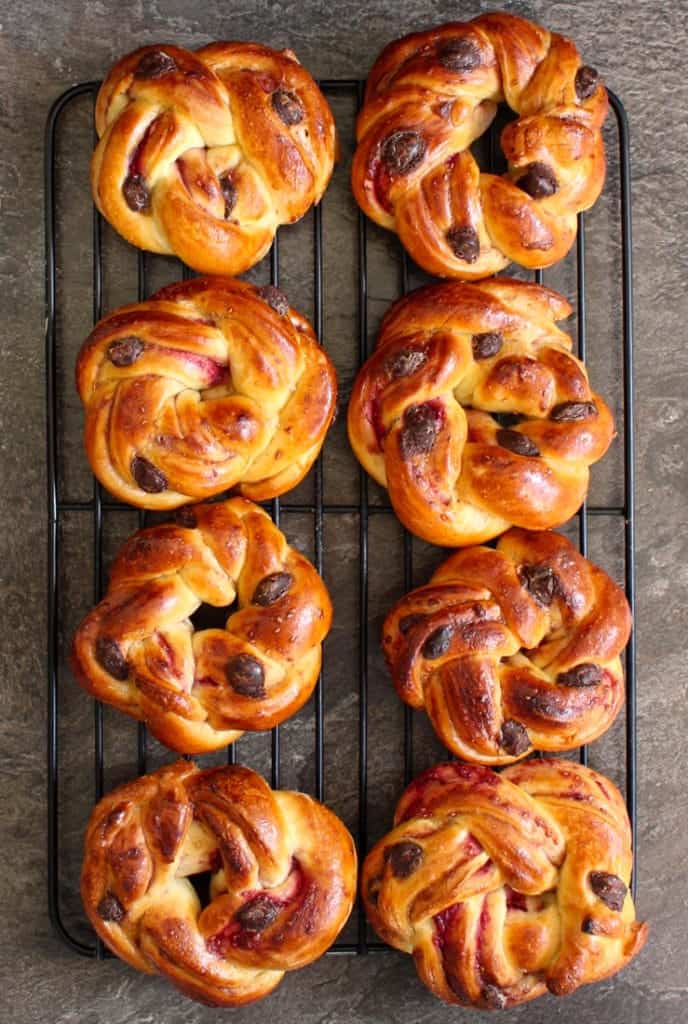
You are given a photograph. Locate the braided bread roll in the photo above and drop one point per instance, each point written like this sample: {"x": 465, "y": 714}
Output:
{"x": 282, "y": 879}
{"x": 512, "y": 649}
{"x": 447, "y": 357}
{"x": 198, "y": 691}
{"x": 505, "y": 886}
{"x": 430, "y": 95}
{"x": 208, "y": 385}
{"x": 204, "y": 155}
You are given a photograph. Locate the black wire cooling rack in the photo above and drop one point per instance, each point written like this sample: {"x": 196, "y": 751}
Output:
{"x": 360, "y": 508}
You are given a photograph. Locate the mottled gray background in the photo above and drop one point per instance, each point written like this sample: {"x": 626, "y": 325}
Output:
{"x": 45, "y": 47}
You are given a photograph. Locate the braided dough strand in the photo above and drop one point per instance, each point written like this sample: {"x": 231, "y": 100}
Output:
{"x": 199, "y": 691}
{"x": 506, "y": 886}
{"x": 430, "y": 95}
{"x": 282, "y": 879}
{"x": 513, "y": 648}
{"x": 204, "y": 155}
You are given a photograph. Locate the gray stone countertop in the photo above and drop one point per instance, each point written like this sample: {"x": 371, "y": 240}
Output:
{"x": 46, "y": 47}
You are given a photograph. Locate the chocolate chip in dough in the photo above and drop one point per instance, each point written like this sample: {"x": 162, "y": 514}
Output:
{"x": 586, "y": 674}
{"x": 246, "y": 676}
{"x": 402, "y": 151}
{"x": 514, "y": 738}
{"x": 572, "y": 412}
{"x": 420, "y": 429}
{"x": 136, "y": 194}
{"x": 590, "y": 926}
{"x": 258, "y": 914}
{"x": 541, "y": 581}
{"x": 404, "y": 858}
{"x": 229, "y": 192}
{"x": 460, "y": 54}
{"x": 586, "y": 82}
{"x": 486, "y": 345}
{"x": 110, "y": 657}
{"x": 110, "y": 909}
{"x": 437, "y": 643}
{"x": 516, "y": 442}
{"x": 407, "y": 622}
{"x": 406, "y": 362}
{"x": 608, "y": 888}
{"x": 539, "y": 181}
{"x": 275, "y": 298}
{"x": 155, "y": 64}
{"x": 149, "y": 478}
{"x": 464, "y": 243}
{"x": 287, "y": 106}
{"x": 125, "y": 351}
{"x": 271, "y": 588}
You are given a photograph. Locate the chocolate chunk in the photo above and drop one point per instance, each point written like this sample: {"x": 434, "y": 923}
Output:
{"x": 271, "y": 588}
{"x": 404, "y": 858}
{"x": 257, "y": 914}
{"x": 420, "y": 429}
{"x": 437, "y": 643}
{"x": 402, "y": 151}
{"x": 125, "y": 351}
{"x": 460, "y": 54}
{"x": 245, "y": 674}
{"x": 155, "y": 64}
{"x": 409, "y": 621}
{"x": 287, "y": 106}
{"x": 136, "y": 193}
{"x": 229, "y": 192}
{"x": 406, "y": 362}
{"x": 608, "y": 888}
{"x": 147, "y": 476}
{"x": 493, "y": 997}
{"x": 464, "y": 243}
{"x": 486, "y": 345}
{"x": 110, "y": 908}
{"x": 570, "y": 412}
{"x": 513, "y": 737}
{"x": 586, "y": 674}
{"x": 185, "y": 517}
{"x": 539, "y": 181}
{"x": 591, "y": 927}
{"x": 516, "y": 442}
{"x": 587, "y": 80}
{"x": 110, "y": 657}
{"x": 274, "y": 298}
{"x": 541, "y": 581}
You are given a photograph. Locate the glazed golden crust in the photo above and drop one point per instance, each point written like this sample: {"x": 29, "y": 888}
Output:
{"x": 430, "y": 95}
{"x": 204, "y": 155}
{"x": 505, "y": 886}
{"x": 282, "y": 883}
{"x": 198, "y": 691}
{"x": 512, "y": 648}
{"x": 447, "y": 357}
{"x": 210, "y": 384}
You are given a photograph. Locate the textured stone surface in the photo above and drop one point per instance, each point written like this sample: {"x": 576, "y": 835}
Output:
{"x": 45, "y": 47}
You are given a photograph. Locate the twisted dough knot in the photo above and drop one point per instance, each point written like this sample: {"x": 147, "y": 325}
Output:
{"x": 419, "y": 419}
{"x": 203, "y": 155}
{"x": 208, "y": 385}
{"x": 282, "y": 879}
{"x": 197, "y": 691}
{"x": 431, "y": 95}
{"x": 503, "y": 886}
{"x": 512, "y": 648}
